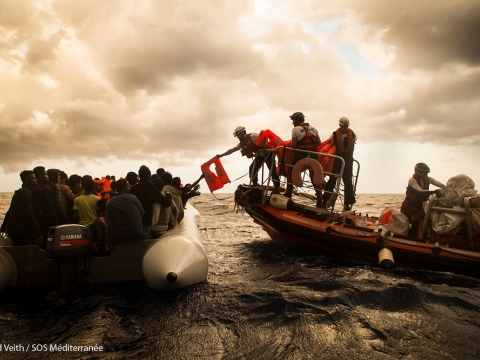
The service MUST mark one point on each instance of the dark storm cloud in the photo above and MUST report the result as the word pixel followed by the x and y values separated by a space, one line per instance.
pixel 425 34
pixel 146 79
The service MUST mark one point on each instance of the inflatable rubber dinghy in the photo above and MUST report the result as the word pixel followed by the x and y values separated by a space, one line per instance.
pixel 178 258
pixel 175 260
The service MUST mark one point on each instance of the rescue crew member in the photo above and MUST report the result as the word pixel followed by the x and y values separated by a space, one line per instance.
pixel 304 137
pixel 248 147
pixel 417 194
pixel 344 139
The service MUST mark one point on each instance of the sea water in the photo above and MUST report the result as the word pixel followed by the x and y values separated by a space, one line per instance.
pixel 263 299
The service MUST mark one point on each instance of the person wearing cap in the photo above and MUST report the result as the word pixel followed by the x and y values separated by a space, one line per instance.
pixel 417 194
pixel 344 140
pixel 249 148
pixel 304 137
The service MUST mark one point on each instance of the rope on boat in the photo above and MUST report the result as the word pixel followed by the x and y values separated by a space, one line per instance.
pixel 240 177
pixel 242 200
pixel 349 234
pixel 217 198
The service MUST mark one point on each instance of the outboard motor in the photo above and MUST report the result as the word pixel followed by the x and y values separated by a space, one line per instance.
pixel 67 241
pixel 71 246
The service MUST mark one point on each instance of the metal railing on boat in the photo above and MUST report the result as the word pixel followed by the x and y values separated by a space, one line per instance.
pixel 306 190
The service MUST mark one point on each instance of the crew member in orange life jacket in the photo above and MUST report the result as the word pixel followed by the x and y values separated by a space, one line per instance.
pixel 344 139
pixel 304 137
pixel 251 150
pixel 417 194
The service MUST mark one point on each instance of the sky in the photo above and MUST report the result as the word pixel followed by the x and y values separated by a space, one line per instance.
pixel 103 87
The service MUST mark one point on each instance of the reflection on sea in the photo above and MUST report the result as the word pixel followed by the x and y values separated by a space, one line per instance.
pixel 263 299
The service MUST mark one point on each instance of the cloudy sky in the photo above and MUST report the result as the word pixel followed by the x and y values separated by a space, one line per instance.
pixel 102 87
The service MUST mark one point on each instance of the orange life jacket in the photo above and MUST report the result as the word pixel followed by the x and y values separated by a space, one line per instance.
pixel 327 147
pixel 284 157
pixel 343 145
pixel 309 141
pixel 415 200
pixel 273 140
pixel 105 185
pixel 249 147
pixel 217 180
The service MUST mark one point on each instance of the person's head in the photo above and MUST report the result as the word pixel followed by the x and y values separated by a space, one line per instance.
pixel 160 171
pixel 158 182
pixel 422 170
pixel 85 178
pixel 144 173
pixel 240 133
pixel 107 177
pixel 74 181
pixel 297 118
pixel 101 206
pixel 113 178
pixel 54 175
pixel 176 182
pixel 40 174
pixel 113 185
pixel 28 178
pixel 131 178
pixel 344 123
pixel 89 186
pixel 167 178
pixel 63 177
pixel 122 186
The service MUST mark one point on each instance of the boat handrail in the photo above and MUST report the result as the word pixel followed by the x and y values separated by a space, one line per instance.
pixel 337 189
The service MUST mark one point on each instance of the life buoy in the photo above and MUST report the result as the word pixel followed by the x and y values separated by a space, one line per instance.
pixel 215 180
pixel 303 165
pixel 273 140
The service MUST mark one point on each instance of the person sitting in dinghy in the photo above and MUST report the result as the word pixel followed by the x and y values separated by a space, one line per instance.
pixel 417 194
pixel 22 219
pixel 124 216
pixel 249 148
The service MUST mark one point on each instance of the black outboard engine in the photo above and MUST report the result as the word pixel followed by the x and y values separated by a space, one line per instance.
pixel 67 241
pixel 71 246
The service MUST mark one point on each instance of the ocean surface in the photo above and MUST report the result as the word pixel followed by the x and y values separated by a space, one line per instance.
pixel 263 299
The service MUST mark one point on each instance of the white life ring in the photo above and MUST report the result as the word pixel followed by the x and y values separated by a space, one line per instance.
pixel 303 165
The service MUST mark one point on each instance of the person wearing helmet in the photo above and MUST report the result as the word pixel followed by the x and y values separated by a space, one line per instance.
pixel 304 137
pixel 417 194
pixel 344 140
pixel 249 148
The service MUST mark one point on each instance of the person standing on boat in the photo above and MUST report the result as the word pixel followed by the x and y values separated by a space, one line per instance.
pixel 21 221
pixel 248 147
pixel 344 139
pixel 417 194
pixel 304 137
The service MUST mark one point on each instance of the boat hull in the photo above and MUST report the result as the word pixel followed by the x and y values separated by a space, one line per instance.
pixel 363 243
pixel 29 266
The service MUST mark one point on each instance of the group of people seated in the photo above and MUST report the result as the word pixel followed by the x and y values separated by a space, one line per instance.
pixel 139 206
